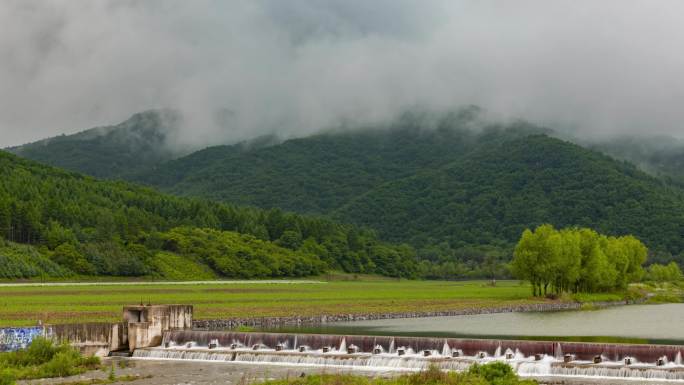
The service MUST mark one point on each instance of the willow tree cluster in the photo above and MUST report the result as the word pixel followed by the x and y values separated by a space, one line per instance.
pixel 577 260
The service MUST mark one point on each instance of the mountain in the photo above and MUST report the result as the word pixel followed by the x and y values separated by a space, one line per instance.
pixel 321 173
pixel 457 188
pixel 445 189
pixel 658 155
pixel 492 194
pixel 60 223
pixel 144 140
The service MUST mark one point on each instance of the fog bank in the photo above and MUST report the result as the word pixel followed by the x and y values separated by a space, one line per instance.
pixel 238 69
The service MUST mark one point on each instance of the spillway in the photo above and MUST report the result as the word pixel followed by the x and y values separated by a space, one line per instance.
pixel 527 358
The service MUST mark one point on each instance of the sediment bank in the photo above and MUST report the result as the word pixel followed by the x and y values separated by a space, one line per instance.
pixel 231 323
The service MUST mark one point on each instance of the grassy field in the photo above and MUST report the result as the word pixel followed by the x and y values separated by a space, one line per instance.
pixel 20 306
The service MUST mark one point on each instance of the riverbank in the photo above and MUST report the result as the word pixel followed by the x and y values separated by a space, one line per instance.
pixel 230 304
pixel 26 305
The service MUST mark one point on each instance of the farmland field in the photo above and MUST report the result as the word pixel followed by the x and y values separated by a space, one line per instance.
pixel 25 305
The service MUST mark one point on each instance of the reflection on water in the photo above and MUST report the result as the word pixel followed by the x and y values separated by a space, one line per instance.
pixel 633 324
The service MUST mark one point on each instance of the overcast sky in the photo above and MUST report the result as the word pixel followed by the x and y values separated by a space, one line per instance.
pixel 295 66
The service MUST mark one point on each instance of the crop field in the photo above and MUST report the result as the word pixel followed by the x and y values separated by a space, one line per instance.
pixel 25 305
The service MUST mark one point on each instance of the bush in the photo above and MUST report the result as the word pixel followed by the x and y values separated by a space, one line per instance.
pixel 664 273
pixel 44 359
pixel 63 364
pixel 6 377
pixel 494 373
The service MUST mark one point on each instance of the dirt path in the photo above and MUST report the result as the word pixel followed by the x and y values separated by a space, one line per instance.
pixel 214 373
pixel 151 283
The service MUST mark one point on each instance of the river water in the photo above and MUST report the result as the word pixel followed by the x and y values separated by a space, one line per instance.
pixel 632 324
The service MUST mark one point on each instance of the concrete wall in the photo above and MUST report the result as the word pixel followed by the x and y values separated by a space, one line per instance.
pixel 146 324
pixel 92 338
pixel 143 326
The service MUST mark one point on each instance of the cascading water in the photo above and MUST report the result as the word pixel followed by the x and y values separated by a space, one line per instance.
pixel 527 358
pixel 446 350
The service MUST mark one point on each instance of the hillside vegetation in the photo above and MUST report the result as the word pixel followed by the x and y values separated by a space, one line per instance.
pixel 494 193
pixel 144 140
pixel 458 190
pixel 57 223
pixel 461 196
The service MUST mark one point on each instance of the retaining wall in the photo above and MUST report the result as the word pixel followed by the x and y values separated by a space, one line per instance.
pixel 90 338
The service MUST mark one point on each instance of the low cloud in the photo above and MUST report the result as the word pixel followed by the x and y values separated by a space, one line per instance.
pixel 238 69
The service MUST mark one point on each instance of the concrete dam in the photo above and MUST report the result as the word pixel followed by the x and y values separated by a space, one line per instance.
pixel 164 332
pixel 528 358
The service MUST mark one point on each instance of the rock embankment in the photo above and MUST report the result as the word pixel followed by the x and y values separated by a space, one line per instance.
pixel 231 323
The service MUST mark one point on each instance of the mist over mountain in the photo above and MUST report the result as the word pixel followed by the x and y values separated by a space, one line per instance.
pixel 243 69
pixel 144 140
pixel 658 155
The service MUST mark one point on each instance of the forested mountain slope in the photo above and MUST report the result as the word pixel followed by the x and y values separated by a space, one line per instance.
pixel 76 224
pixel 446 189
pixel 457 189
pixel 142 141
pixel 321 173
pixel 658 155
pixel 491 195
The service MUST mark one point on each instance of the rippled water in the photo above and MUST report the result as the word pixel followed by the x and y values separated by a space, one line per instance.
pixel 636 323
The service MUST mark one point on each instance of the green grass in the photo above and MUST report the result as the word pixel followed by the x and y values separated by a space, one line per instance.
pixel 21 306
pixel 44 359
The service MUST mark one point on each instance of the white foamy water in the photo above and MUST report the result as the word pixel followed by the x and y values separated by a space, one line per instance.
pixel 547 366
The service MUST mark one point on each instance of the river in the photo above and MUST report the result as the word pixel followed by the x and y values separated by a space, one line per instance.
pixel 636 324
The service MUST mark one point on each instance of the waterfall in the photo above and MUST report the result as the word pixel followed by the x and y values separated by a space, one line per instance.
pixel 446 350
pixel 528 358
pixel 411 361
pixel 559 352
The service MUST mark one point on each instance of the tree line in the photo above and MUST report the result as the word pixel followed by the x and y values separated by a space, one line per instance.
pixel 98 227
pixel 577 260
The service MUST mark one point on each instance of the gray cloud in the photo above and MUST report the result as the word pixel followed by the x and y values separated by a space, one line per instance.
pixel 292 67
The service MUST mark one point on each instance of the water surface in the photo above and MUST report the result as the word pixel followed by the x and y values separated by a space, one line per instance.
pixel 635 324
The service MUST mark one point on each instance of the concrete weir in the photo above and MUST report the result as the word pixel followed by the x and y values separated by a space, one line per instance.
pixel 164 332
pixel 528 358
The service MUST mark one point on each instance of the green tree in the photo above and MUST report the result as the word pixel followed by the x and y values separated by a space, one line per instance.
pixel 68 256
pixel 577 260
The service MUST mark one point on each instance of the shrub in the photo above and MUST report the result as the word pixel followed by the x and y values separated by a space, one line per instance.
pixel 43 359
pixel 494 372
pixel 6 377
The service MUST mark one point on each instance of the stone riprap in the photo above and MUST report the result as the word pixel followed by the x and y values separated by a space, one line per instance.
pixel 231 323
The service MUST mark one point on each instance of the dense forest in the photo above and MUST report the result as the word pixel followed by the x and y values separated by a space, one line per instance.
pixel 492 194
pixel 659 155
pixel 457 189
pixel 461 197
pixel 57 223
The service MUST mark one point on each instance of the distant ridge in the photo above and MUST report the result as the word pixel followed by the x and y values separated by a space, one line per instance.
pixel 110 151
